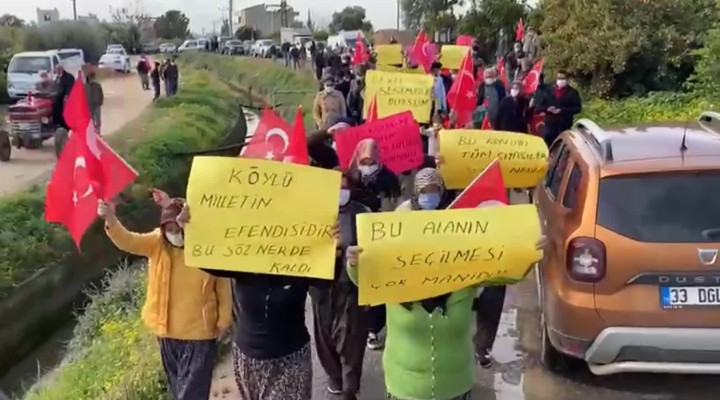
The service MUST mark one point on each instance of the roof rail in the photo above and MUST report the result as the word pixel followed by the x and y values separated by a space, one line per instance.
pixel 710 121
pixel 596 136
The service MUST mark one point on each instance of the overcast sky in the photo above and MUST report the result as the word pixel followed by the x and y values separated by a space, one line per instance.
pixel 202 13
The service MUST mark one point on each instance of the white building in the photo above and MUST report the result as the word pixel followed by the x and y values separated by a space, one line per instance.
pixel 45 17
pixel 266 19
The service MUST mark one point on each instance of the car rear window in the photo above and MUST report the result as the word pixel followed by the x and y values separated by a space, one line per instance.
pixel 68 54
pixel 662 208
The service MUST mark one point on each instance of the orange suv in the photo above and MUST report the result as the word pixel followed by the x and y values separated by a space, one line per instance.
pixel 631 279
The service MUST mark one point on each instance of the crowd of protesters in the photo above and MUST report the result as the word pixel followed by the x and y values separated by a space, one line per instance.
pixel 428 346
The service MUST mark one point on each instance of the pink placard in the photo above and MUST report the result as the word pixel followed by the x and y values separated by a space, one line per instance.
pixel 398 137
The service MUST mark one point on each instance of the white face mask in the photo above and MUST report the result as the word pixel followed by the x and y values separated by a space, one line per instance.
pixel 561 83
pixel 367 170
pixel 489 81
pixel 175 239
pixel 514 92
pixel 328 89
pixel 344 197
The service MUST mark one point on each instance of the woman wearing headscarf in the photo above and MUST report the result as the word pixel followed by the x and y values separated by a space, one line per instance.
pixel 428 352
pixel 379 190
pixel 340 324
pixel 186 308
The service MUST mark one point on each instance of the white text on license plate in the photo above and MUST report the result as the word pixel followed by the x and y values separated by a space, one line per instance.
pixel 688 296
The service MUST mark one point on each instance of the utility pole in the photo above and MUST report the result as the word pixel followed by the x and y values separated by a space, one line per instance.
pixel 74 9
pixel 398 15
pixel 230 18
pixel 284 23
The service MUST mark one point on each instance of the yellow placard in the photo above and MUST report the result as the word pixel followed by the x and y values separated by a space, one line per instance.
pixel 451 55
pixel 398 92
pixel 388 54
pixel 409 256
pixel 466 153
pixel 403 70
pixel 262 216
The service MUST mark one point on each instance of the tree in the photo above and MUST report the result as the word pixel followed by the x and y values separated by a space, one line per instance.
pixel 350 19
pixel 12 21
pixel 246 33
pixel 706 79
pixel 432 15
pixel 225 28
pixel 486 18
pixel 173 24
pixel 618 47
pixel 321 34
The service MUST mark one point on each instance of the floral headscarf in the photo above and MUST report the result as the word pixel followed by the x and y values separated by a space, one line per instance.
pixel 367 148
pixel 425 177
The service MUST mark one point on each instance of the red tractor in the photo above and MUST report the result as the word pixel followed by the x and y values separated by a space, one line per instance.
pixel 30 123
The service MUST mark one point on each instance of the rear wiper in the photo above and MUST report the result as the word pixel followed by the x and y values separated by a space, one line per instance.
pixel 712 233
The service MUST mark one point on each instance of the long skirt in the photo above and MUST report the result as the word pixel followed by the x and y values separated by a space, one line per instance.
pixel 284 378
pixel 188 366
pixel 465 396
pixel 341 329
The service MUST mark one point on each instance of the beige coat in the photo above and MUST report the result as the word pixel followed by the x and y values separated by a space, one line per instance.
pixel 327 107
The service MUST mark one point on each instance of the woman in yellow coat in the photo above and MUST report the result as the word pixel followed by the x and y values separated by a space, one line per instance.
pixel 186 308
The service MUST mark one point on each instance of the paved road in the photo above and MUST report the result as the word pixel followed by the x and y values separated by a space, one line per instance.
pixel 124 101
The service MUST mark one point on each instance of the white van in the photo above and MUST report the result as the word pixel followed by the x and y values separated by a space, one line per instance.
pixel 72 60
pixel 192 45
pixel 23 71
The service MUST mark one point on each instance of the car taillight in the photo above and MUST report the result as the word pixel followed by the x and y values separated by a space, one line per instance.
pixel 585 259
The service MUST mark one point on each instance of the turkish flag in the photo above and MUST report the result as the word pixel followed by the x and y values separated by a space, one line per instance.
pixel 372 110
pixel 486 126
pixel 423 52
pixel 298 140
pixel 87 170
pixel 532 80
pixel 462 96
pixel 272 140
pixel 536 123
pixel 519 30
pixel 501 71
pixel 464 40
pixel 360 54
pixel 487 189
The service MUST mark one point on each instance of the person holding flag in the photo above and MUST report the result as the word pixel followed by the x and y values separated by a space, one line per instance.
pixel 186 308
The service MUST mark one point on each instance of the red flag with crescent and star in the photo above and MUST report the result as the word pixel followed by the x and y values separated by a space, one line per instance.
pixel 360 53
pixel 532 80
pixel 272 140
pixel 87 170
pixel 464 40
pixel 487 189
pixel 462 96
pixel 520 30
pixel 422 52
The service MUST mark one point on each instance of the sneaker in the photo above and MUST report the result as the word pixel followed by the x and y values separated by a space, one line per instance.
pixel 484 359
pixel 373 342
pixel 334 390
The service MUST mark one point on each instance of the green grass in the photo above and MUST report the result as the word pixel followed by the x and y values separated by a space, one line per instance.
pixel 197 118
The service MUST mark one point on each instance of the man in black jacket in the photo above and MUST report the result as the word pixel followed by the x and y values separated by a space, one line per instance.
pixel 563 104
pixel 64 84
pixel 513 111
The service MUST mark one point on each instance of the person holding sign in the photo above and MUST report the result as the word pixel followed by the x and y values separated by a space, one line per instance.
pixel 340 324
pixel 186 308
pixel 271 351
pixel 379 190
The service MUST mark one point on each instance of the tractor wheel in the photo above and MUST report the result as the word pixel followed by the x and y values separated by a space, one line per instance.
pixel 61 136
pixel 5 146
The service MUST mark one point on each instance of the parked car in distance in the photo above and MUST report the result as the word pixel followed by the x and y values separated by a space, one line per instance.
pixel 631 279
pixel 260 47
pixel 150 48
pixel 247 46
pixel 116 59
pixel 24 69
pixel 233 47
pixel 192 45
pixel 168 48
pixel 112 47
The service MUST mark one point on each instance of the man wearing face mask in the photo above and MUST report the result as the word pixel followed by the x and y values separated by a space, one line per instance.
pixel 512 58
pixel 490 94
pixel 186 308
pixel 329 104
pixel 355 98
pixel 513 111
pixel 562 106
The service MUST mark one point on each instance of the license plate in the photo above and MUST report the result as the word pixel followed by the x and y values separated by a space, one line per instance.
pixel 689 296
pixel 24 126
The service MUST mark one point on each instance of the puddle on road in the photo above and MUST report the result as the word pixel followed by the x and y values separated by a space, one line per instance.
pixel 509 359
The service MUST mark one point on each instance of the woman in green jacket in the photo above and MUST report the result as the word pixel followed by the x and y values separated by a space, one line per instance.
pixel 429 348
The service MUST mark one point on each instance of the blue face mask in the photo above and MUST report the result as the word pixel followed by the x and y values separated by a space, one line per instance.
pixel 429 201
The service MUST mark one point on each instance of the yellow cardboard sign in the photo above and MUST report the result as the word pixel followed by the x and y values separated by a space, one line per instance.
pixel 466 153
pixel 398 92
pixel 451 55
pixel 262 216
pixel 403 70
pixel 410 256
pixel 388 54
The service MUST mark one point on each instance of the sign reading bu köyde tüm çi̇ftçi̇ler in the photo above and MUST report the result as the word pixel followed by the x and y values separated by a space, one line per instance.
pixel 410 256
pixel 262 216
